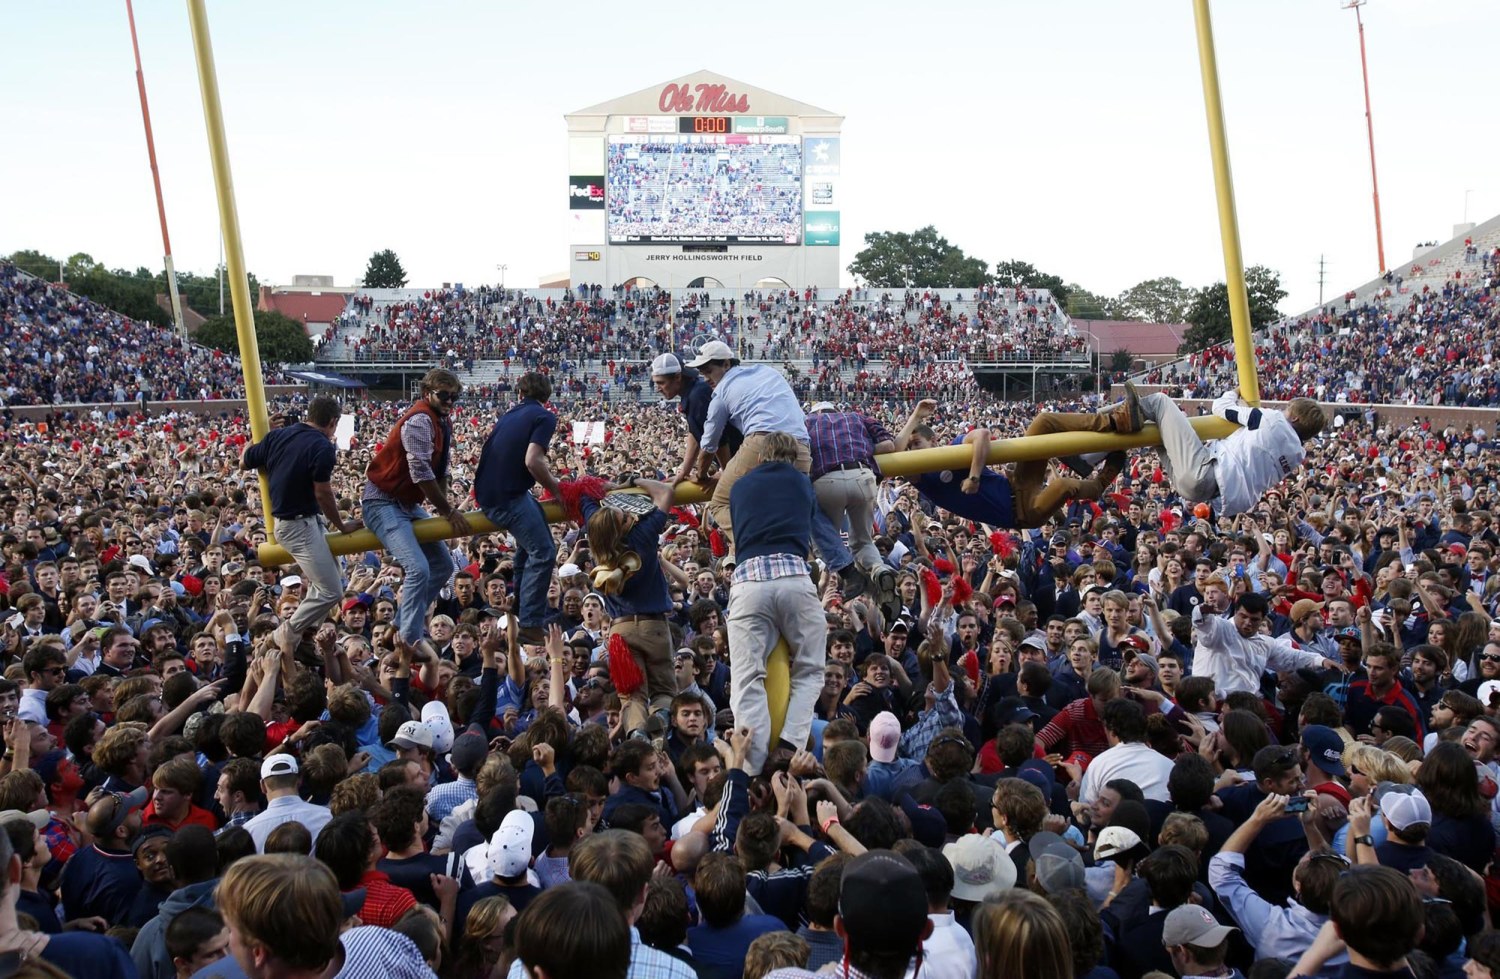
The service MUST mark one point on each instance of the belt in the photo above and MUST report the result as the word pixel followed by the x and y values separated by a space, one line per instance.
pixel 847 465
pixel 642 617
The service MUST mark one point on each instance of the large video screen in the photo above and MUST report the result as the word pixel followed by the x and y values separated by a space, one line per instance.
pixel 733 189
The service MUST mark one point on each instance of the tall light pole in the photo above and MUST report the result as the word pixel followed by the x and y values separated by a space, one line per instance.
pixel 1364 68
pixel 502 269
pixel 161 208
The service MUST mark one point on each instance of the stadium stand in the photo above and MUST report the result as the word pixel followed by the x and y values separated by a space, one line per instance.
pixel 60 348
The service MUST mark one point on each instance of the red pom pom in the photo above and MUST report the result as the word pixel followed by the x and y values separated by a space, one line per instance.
pixel 574 490
pixel 961 590
pixel 943 566
pixel 624 672
pixel 970 664
pixel 931 587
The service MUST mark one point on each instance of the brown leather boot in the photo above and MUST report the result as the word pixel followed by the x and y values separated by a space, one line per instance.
pixel 1126 415
pixel 1114 464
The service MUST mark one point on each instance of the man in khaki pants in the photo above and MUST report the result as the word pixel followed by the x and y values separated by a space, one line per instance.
pixel 759 402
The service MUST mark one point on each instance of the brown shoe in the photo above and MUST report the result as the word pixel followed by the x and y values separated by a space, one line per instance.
pixel 1126 415
pixel 1114 464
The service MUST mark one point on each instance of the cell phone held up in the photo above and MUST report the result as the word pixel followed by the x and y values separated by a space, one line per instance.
pixel 1297 803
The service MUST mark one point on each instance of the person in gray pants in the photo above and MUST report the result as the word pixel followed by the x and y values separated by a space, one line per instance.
pixel 1234 472
pixel 298 461
pixel 771 597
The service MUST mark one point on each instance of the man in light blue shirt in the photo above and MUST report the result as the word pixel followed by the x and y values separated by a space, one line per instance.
pixel 759 402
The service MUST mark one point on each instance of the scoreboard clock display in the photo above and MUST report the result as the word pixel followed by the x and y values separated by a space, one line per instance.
pixel 705 124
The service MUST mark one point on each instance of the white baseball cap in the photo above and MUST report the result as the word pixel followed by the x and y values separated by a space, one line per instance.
pixel 666 364
pixel 412 734
pixel 509 852
pixel 822 406
pixel 712 350
pixel 282 764
pixel 435 718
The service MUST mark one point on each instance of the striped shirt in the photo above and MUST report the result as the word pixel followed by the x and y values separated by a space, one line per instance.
pixel 847 436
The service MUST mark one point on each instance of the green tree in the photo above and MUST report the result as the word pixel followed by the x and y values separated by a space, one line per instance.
pixel 1209 312
pixel 131 297
pixel 201 292
pixel 898 260
pixel 1083 304
pixel 1015 273
pixel 42 266
pixel 1163 300
pixel 1120 361
pixel 281 339
pixel 80 264
pixel 384 271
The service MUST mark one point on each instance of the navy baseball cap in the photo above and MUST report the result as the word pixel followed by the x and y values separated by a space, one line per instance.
pixel 1324 748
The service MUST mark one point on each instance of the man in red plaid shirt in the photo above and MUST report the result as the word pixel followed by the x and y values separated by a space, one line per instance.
pixel 844 445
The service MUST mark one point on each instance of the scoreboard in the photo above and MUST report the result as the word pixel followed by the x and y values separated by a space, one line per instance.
pixel 709 125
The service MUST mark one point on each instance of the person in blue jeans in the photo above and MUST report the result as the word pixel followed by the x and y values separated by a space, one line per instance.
pixel 514 459
pixel 411 468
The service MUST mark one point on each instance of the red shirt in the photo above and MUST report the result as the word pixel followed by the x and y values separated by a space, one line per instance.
pixel 385 903
pixel 277 733
pixel 196 816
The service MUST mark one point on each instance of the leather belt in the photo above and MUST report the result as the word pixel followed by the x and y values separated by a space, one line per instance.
pixel 848 465
pixel 642 617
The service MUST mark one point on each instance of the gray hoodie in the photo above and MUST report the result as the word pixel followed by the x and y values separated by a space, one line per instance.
pixel 149 952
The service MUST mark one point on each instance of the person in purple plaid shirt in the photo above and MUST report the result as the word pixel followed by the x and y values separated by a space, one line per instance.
pixel 844 445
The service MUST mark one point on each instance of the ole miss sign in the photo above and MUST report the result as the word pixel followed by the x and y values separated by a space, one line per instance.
pixel 701 98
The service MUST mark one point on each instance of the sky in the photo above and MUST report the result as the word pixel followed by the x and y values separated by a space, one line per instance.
pixel 1070 135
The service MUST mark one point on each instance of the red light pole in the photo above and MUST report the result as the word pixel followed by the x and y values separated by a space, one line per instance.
pixel 161 207
pixel 1364 68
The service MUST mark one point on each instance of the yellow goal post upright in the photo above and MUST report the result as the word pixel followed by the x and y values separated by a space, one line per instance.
pixel 234 253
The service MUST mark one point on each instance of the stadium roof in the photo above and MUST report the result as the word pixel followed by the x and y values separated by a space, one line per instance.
pixel 648 101
pixel 326 378
pixel 1141 339
pixel 304 307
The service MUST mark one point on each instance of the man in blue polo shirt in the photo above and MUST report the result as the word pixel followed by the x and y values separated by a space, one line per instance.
pixel 298 461
pixel 1026 499
pixel 514 460
pixel 673 380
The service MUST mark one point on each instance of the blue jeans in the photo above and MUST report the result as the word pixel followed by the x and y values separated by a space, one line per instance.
pixel 425 568
pixel 535 554
pixel 827 542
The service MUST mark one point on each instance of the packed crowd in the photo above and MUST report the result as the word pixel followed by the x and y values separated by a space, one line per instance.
pixel 59 348
pixel 1429 346
pixel 1033 752
pixel 671 188
pixel 459 327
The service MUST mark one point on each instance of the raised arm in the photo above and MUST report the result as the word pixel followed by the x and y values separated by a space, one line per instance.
pixel 919 415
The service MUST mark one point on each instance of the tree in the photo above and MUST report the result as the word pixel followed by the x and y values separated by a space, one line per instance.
pixel 1209 312
pixel 281 339
pixel 44 267
pixel 1120 361
pixel 131 297
pixel 1163 300
pixel 923 258
pixel 1015 274
pixel 1083 304
pixel 385 271
pixel 80 264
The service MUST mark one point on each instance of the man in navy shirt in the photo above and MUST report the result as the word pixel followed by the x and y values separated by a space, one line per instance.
pixel 673 380
pixel 298 463
pixel 772 597
pixel 514 460
pixel 1026 499
pixel 638 604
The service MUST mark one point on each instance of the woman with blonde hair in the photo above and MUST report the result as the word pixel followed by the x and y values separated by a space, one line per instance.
pixel 1368 766
pixel 483 943
pixel 1017 933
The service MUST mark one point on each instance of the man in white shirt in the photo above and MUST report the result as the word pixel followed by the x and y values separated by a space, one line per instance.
pixel 279 775
pixel 1127 757
pixel 1235 652
pixel 1234 472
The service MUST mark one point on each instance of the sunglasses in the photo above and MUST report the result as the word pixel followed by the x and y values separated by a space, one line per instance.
pixel 1489 658
pixel 447 397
